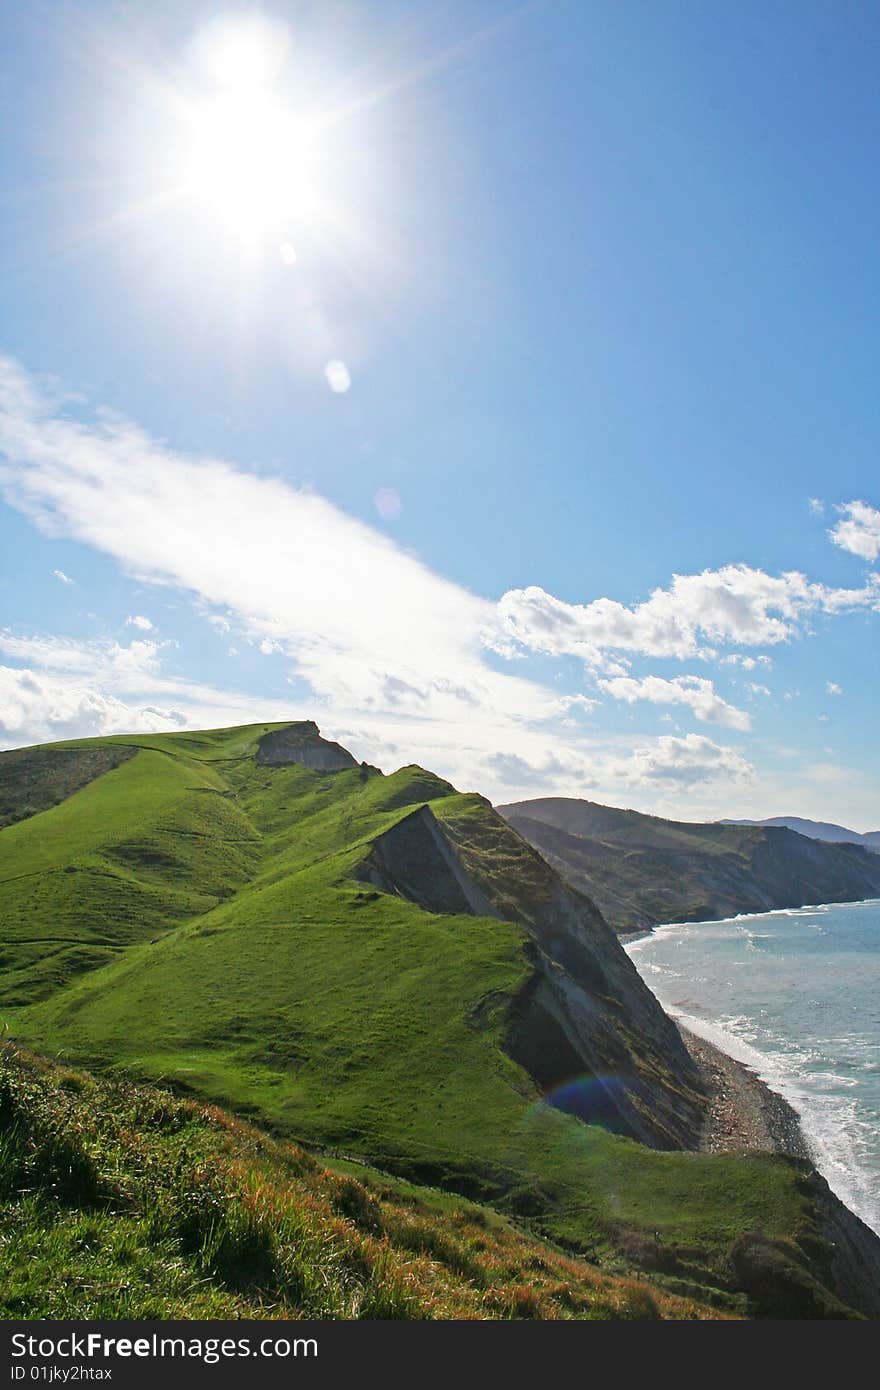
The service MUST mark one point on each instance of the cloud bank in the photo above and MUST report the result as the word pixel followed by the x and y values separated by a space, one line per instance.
pixel 734 605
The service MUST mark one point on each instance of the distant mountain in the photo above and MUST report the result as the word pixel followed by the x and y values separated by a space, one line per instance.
pixel 818 830
pixel 642 870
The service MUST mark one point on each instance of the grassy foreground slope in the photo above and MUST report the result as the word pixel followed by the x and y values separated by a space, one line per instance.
pixel 122 1201
pixel 379 967
pixel 641 870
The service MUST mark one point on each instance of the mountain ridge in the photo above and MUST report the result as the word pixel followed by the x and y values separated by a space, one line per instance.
pixel 643 870
pixel 817 830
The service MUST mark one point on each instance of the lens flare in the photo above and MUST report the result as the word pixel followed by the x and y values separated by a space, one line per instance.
pixel 593 1099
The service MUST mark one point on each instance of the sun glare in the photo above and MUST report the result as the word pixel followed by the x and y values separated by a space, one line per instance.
pixel 251 162
pixel 246 155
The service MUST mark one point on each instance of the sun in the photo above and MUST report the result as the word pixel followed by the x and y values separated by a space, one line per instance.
pixel 246 156
pixel 251 162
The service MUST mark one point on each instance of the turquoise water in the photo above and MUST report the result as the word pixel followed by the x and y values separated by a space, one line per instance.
pixel 795 995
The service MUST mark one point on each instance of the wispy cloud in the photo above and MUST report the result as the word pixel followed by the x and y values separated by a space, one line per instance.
pixel 389 649
pixel 65 578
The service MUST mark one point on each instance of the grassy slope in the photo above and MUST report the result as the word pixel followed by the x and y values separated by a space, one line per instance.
pixel 34 779
pixel 121 1201
pixel 345 1018
pixel 147 845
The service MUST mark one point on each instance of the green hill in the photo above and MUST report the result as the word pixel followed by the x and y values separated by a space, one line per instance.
pixel 381 967
pixel 642 870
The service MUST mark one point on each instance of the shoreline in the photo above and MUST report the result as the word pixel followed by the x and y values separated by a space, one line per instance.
pixel 743 1112
pixel 626 938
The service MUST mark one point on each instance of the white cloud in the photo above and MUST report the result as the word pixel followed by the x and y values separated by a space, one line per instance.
pixel 38 707
pixel 816 506
pixel 693 758
pixel 748 663
pixel 833 688
pixel 859 531
pixel 736 604
pixel 670 760
pixel 69 689
pixel 101 660
pixel 141 623
pixel 696 692
pixel 65 578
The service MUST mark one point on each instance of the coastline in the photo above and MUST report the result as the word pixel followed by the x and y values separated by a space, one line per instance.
pixel 743 1112
pixel 626 938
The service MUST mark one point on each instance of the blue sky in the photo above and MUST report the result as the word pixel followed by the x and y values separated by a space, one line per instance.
pixel 401 402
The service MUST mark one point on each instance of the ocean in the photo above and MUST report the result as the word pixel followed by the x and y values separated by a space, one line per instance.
pixel 794 994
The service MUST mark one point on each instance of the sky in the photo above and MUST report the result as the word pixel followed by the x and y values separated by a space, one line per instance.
pixel 493 383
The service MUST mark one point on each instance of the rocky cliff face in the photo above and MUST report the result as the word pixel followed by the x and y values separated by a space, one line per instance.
pixel 641 870
pixel 585 1027
pixel 302 743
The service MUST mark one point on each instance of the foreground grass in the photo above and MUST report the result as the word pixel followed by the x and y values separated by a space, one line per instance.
pixel 123 1201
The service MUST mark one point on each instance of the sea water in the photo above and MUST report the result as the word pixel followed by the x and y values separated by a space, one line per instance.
pixel 795 995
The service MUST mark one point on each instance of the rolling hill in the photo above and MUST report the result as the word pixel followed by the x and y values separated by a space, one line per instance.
pixel 642 870
pixel 381 969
